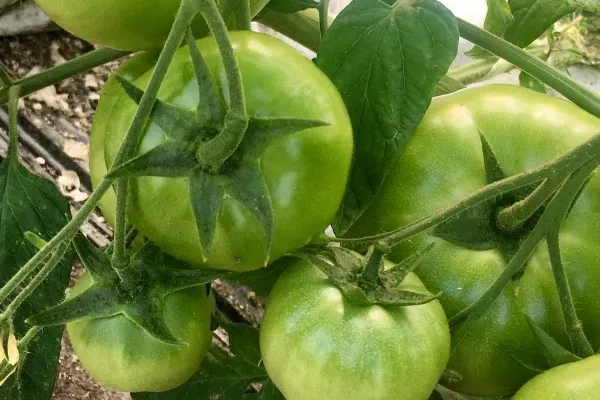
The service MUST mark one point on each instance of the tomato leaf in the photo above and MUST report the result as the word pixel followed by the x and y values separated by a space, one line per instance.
pixel 553 352
pixel 224 375
pixel 448 85
pixel 533 17
pixel 291 6
pixel 29 203
pixel 532 83
pixel 386 60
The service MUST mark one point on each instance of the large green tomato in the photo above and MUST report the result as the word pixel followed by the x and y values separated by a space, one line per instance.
pixel 305 173
pixel 575 381
pixel 442 164
pixel 123 24
pixel 316 344
pixel 123 356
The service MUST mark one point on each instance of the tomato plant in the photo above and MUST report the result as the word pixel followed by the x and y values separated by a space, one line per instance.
pixel 574 381
pixel 122 355
pixel 132 25
pixel 292 167
pixel 317 343
pixel 466 226
pixel 443 162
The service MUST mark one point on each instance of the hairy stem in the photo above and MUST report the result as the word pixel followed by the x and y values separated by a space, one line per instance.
pixel 572 323
pixel 214 153
pixel 13 111
pixel 559 167
pixel 551 76
pixel 243 16
pixel 511 218
pixel 556 211
pixel 323 16
pixel 72 67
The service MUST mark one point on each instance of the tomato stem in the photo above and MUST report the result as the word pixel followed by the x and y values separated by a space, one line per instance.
pixel 323 16
pixel 573 325
pixel 243 16
pixel 512 218
pixel 13 110
pixel 555 169
pixel 185 15
pixel 559 81
pixel 72 67
pixel 212 154
pixel 555 213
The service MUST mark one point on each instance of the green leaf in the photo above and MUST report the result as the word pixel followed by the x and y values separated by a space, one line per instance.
pixel 497 18
pixel 29 203
pixel 448 85
pixel 226 376
pixel 386 61
pixel 532 83
pixel 292 6
pixel 554 353
pixel 533 17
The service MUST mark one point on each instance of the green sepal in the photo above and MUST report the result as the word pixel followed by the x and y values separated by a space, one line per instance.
pixel 475 228
pixel 392 277
pixel 553 352
pixel 141 302
pixel 96 302
pixel 94 260
pixel 493 171
pixel 148 313
pixel 173 158
pixel 242 179
pixel 345 268
pixel 177 123
pixel 211 99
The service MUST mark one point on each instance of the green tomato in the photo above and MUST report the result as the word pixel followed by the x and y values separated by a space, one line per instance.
pixel 305 173
pixel 123 356
pixel 442 164
pixel 316 344
pixel 575 381
pixel 123 24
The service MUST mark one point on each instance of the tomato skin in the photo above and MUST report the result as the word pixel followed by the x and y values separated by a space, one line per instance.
pixel 123 356
pixel 126 25
pixel 278 83
pixel 574 381
pixel 442 164
pixel 316 344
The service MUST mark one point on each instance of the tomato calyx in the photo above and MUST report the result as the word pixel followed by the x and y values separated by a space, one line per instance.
pixel 141 301
pixel 217 164
pixel 368 279
pixel 477 228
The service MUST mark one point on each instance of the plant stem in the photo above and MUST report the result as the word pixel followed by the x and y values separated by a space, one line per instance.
pixel 131 235
pixel 184 17
pixel 511 218
pixel 556 211
pixel 573 325
pixel 243 16
pixel 54 75
pixel 31 333
pixel 323 16
pixel 13 111
pixel 556 169
pixel 214 153
pixel 34 283
pixel 562 83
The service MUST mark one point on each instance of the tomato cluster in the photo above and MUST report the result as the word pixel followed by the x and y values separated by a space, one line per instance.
pixel 316 340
